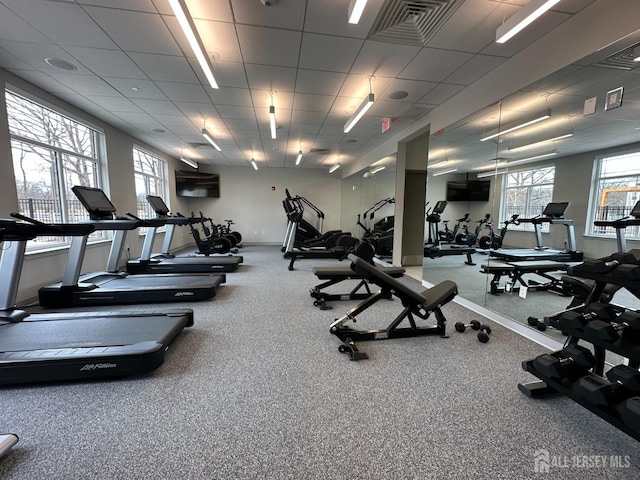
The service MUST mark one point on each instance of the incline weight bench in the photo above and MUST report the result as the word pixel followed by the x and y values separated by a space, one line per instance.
pixel 516 271
pixel 421 304
pixel 338 274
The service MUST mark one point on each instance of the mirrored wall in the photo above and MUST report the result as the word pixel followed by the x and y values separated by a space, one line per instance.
pixel 577 127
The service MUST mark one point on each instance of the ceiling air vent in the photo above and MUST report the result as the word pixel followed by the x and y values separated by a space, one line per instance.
pixel 320 151
pixel 622 60
pixel 412 22
pixel 199 145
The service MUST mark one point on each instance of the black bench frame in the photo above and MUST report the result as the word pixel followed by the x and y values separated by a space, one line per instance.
pixel 420 304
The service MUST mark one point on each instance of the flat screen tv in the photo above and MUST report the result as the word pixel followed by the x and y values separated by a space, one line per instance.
pixel 197 184
pixel 468 190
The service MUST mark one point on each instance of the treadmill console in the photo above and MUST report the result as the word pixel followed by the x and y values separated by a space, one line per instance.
pixel 439 207
pixel 95 201
pixel 158 205
pixel 555 210
pixel 635 213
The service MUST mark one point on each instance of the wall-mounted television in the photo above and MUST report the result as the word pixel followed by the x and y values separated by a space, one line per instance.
pixel 197 184
pixel 468 190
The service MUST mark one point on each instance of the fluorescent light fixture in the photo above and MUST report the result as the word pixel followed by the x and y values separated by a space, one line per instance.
pixel 334 168
pixel 522 18
pixel 207 135
pixel 444 172
pixel 360 111
pixel 299 157
pixel 540 141
pixel 189 28
pixel 188 161
pixel 254 164
pixel 356 7
pixel 538 156
pixel 491 173
pixel 272 121
pixel 517 125
pixel 378 169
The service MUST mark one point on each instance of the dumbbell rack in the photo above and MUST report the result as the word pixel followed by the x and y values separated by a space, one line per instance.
pixel 622 347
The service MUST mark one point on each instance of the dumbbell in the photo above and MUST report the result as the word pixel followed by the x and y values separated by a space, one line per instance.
pixel 473 324
pixel 574 320
pixel 571 362
pixel 627 323
pixel 483 334
pixel 629 412
pixel 622 382
pixel 536 322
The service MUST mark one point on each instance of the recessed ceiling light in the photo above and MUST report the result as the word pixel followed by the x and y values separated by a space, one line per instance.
pixel 399 95
pixel 135 89
pixel 351 140
pixel 61 64
pixel 158 130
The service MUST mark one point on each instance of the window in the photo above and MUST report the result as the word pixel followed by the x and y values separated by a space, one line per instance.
pixel 616 189
pixel 150 173
pixel 51 153
pixel 526 193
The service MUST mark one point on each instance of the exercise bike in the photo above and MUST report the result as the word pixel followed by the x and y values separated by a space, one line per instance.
pixel 447 235
pixel 470 238
pixel 494 241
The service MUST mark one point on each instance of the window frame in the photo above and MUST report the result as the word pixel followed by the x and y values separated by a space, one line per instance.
pixel 60 154
pixel 594 206
pixel 164 180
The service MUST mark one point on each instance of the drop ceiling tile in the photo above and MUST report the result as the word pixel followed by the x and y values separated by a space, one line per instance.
pixel 12 27
pixel 138 5
pixel 115 104
pixel 474 69
pixel 145 88
pixel 307 117
pixel 270 78
pixel 165 68
pixel 358 87
pixel 269 46
pixel 330 17
pixel 85 84
pixel 321 83
pixel 44 81
pixel 218 38
pixel 254 13
pixel 174 121
pixel 441 93
pixel 111 63
pixel 324 52
pixel 388 108
pixel 199 110
pixel 227 74
pixel 383 59
pixel 230 111
pixel 280 100
pixel 415 89
pixel 434 65
pixel 9 62
pixel 124 27
pixel 34 55
pixel 152 107
pixel 309 102
pixel 201 9
pixel 230 96
pixel 184 92
pixel 52 19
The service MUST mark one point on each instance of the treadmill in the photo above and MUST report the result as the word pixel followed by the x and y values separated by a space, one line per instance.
pixel 553 214
pixel 48 347
pixel 166 262
pixel 112 287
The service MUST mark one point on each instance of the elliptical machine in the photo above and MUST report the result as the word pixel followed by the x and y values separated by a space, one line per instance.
pixel 470 238
pixel 494 241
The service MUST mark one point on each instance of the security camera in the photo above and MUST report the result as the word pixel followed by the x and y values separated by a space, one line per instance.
pixel 268 3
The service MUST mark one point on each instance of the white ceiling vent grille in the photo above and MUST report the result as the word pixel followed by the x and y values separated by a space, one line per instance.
pixel 412 22
pixel 622 60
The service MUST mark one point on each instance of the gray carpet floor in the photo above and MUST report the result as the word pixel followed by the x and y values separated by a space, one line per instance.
pixel 257 389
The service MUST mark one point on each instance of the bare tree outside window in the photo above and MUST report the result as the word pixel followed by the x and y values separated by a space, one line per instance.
pixel 526 193
pixel 51 153
pixel 150 179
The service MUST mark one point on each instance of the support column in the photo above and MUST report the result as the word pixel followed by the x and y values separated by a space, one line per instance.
pixel 411 187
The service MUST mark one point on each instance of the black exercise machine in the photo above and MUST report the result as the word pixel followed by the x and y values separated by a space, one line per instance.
pixel 344 244
pixel 337 274
pixel 49 347
pixel 494 241
pixel 433 248
pixel 112 286
pixel 515 271
pixel 165 261
pixel 553 214
pixel 421 304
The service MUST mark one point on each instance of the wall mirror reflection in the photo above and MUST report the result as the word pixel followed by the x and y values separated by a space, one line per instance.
pixel 557 157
